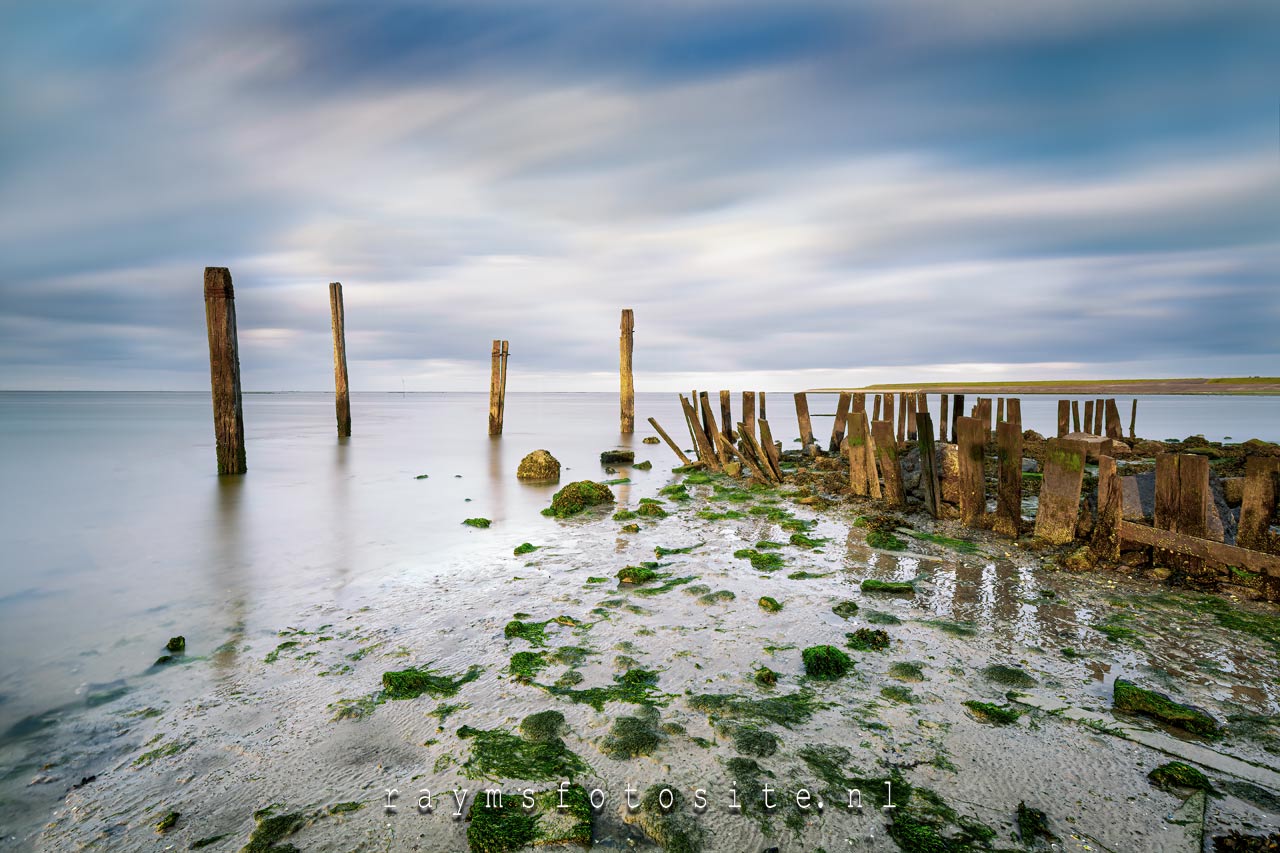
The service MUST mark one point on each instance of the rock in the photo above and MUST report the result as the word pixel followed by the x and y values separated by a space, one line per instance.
pixel 1131 500
pixel 617 457
pixel 539 466
pixel 1233 490
pixel 650 439
pixel 948 461
pixel 733 469
pixel 1030 466
pixel 1079 560
pixel 1119 448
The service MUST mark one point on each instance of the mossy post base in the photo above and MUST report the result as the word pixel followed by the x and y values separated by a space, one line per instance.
pixel 971 439
pixel 1258 504
pixel 627 391
pixel 342 398
pixel 841 419
pixel 1009 500
pixel 890 465
pixel 1106 530
pixel 497 386
pixel 1059 509
pixel 928 463
pixel 224 369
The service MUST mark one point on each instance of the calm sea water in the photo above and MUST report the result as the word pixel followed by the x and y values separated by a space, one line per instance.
pixel 117 534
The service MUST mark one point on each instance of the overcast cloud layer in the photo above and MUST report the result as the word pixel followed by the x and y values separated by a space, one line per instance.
pixel 788 194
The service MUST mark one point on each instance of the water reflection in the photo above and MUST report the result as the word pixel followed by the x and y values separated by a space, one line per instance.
pixel 227 569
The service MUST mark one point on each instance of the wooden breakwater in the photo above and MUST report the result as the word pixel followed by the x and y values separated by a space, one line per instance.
pixel 977 477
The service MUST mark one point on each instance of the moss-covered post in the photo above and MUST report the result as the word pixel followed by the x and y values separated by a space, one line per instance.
pixel 1133 419
pixel 1059 509
pixel 803 420
pixel 1064 417
pixel 342 399
pixel 957 412
pixel 890 464
pixel 1075 416
pixel 627 394
pixel 859 477
pixel 224 369
pixel 1258 505
pixel 1009 498
pixel 928 463
pixel 971 436
pixel 842 417
pixel 749 411
pixel 1105 541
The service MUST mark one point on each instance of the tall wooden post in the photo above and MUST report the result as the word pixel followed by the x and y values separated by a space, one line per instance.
pixel 842 416
pixel 497 386
pixel 862 466
pixel 971 438
pixel 1258 507
pixel 1097 418
pixel 1009 498
pixel 1088 416
pixel 1064 417
pixel 999 411
pixel 749 411
pixel 912 400
pixel 802 418
pixel 1013 411
pixel 902 416
pixel 957 412
pixel 875 408
pixel 224 369
pixel 942 420
pixel 1114 430
pixel 764 414
pixel 627 401
pixel 1105 541
pixel 1075 416
pixel 726 417
pixel 890 464
pixel 928 463
pixel 341 397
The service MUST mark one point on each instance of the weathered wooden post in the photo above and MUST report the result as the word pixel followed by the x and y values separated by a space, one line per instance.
pixel 764 415
pixel 859 476
pixel 842 416
pixel 1059 510
pixel 902 416
pixel 1088 416
pixel 770 449
pixel 912 400
pixel 957 412
pixel 1105 541
pixel 1075 416
pixel 1097 417
pixel 726 416
pixel 1182 502
pixel 928 463
pixel 802 418
pixel 684 460
pixel 749 411
pixel 985 414
pixel 1115 430
pixel 706 448
pixel 971 436
pixel 627 398
pixel 1064 417
pixel 942 420
pixel 1133 419
pixel 886 412
pixel 1009 498
pixel 341 396
pixel 875 408
pixel 224 369
pixel 890 465
pixel 1013 411
pixel 709 425
pixel 497 385
pixel 1258 504
pixel 999 411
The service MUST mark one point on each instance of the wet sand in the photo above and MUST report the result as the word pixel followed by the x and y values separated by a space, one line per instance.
pixel 293 717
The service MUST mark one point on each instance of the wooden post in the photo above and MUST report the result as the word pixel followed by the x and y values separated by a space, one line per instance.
pixel 770 449
pixel 1097 418
pixel 342 398
pixel 749 410
pixel 709 425
pixel 1115 430
pixel 1133 419
pixel 224 369
pixel 1008 519
pixel 1059 510
pixel 957 412
pixel 999 412
pixel 971 436
pixel 753 454
pixel 802 417
pixel 706 450
pixel 902 417
pixel 985 413
pixel 627 399
pixel 1075 416
pixel 842 417
pixel 911 417
pixel 928 463
pixel 497 386
pixel 684 460
pixel 1064 417
pixel 1013 411
pixel 942 420
pixel 1088 416
pixel 859 476
pixel 726 416
pixel 1258 504
pixel 875 408
pixel 763 414
pixel 1182 503
pixel 1106 530
pixel 890 465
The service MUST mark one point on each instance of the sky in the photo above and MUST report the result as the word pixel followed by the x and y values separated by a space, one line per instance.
pixel 788 194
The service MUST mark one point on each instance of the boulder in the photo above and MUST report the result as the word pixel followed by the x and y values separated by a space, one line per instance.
pixel 1233 490
pixel 617 457
pixel 1030 466
pixel 539 466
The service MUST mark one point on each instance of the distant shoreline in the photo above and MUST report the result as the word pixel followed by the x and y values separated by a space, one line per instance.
pixel 1249 385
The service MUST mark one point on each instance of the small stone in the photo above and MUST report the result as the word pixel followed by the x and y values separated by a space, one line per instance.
pixel 650 439
pixel 539 466
pixel 617 457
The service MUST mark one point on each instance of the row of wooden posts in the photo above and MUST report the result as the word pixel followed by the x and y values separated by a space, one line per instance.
pixel 224 371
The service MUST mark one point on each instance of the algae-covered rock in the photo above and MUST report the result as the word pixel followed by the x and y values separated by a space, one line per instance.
pixel 617 457
pixel 891 587
pixel 766 677
pixel 1176 774
pixel 1127 696
pixel 868 640
pixel 629 528
pixel 168 822
pixel 994 714
pixel 664 818
pixel 524 548
pixel 845 609
pixel 1008 676
pixel 576 497
pixel 769 603
pixel 643 466
pixel 505 825
pixel 270 829
pixel 650 439
pixel 177 645
pixel 543 727
pixel 630 737
pixel 650 509
pixel 539 466
pixel 825 663
pixel 636 575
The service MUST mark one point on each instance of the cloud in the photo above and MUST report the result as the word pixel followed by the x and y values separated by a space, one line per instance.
pixel 776 189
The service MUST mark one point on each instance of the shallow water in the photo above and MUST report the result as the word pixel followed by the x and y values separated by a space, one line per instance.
pixel 121 537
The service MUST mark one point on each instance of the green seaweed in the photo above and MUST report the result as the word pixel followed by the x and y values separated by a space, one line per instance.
pixel 825 663
pixel 499 754
pixel 167 750
pixel 955 629
pixel 789 710
pixel 760 562
pixel 525 666
pixel 629 528
pixel 167 822
pixel 535 633
pixel 964 546
pixel 765 677
pixel 344 808
pixel 177 645
pixel 624 515
pixel 413 682
pixel 697 478
pixel 482 523
pixel 543 727
pixel 898 693
pixel 642 466
pixel 636 687
pixel 274 654
pixel 1175 775
pixel 867 640
pixel 495 828
pixel 524 548
pixel 666 586
pixel 890 587
pixel 676 491
pixel 717 597
pixel 878 617
pixel 991 713
pixel 630 737
pixel 712 515
pixel 660 551
pixel 768 545
pixel 885 541
pixel 906 671
pixel 845 609
pixel 1033 824
pixel 749 739
pixel 650 510
pixel 1127 696
pixel 1008 676
pixel 270 829
pixel 800 540
pixel 577 497
pixel 671 828
pixel 769 604
pixel 804 575
pixel 637 575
